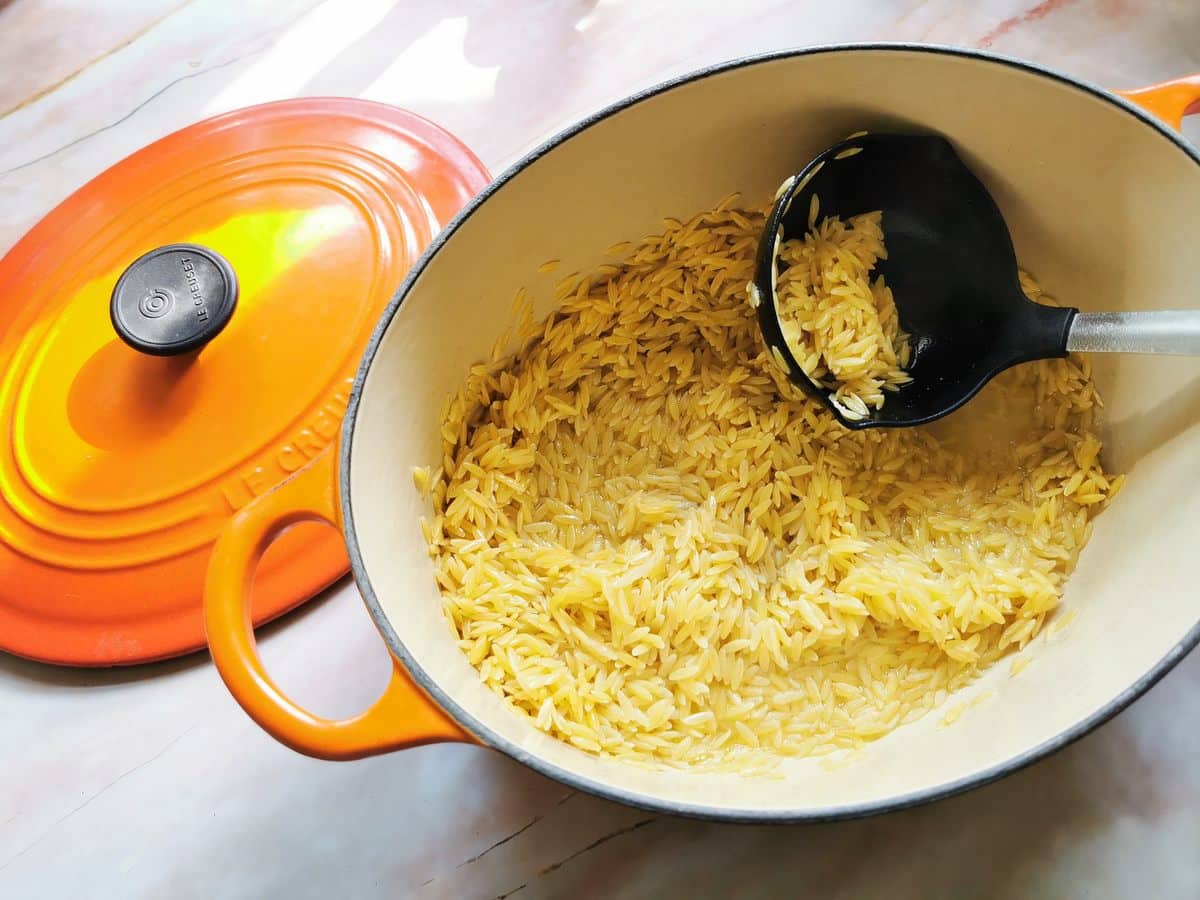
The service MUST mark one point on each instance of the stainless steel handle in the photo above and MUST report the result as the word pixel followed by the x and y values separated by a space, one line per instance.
pixel 1174 331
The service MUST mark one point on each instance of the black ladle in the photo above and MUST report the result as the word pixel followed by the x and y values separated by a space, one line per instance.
pixel 953 274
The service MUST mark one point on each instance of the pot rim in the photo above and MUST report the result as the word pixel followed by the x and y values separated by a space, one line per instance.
pixel 632 798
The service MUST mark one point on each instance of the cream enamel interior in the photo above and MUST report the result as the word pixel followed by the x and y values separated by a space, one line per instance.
pixel 1103 209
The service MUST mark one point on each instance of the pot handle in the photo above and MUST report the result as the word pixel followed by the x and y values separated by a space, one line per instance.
pixel 1170 100
pixel 402 717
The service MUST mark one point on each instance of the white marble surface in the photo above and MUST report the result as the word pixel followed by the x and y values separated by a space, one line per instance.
pixel 152 783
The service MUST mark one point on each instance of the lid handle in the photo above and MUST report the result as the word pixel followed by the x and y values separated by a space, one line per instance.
pixel 174 300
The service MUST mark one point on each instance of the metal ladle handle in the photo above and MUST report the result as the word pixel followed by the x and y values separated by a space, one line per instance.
pixel 1172 331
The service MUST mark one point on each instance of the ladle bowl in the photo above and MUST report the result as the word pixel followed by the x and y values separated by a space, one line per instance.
pixel 953 274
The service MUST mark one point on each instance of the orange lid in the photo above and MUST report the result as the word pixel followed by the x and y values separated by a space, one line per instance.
pixel 128 448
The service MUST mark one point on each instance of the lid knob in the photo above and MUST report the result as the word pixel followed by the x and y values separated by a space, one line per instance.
pixel 174 299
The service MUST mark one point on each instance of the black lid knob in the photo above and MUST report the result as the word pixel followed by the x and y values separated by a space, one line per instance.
pixel 173 300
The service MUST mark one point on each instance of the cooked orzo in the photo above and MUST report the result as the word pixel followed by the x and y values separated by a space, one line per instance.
pixel 656 548
pixel 840 324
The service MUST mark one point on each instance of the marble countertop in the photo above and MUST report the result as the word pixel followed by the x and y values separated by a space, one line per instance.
pixel 151 782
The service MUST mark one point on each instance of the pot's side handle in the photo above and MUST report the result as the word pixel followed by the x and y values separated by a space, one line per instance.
pixel 402 717
pixel 1169 101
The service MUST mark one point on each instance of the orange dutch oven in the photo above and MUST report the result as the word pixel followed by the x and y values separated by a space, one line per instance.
pixel 1102 195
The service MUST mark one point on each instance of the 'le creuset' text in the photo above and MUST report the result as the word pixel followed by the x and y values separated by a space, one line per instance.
pixel 303 445
pixel 193 283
